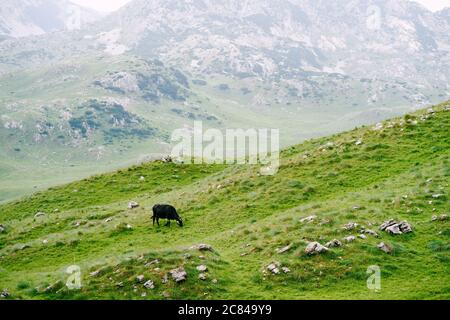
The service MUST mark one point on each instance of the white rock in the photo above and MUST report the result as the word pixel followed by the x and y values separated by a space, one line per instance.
pixel 350 238
pixel 140 278
pixel 384 247
pixel 286 269
pixel 149 284
pixel 284 249
pixel 371 232
pixel 133 205
pixel 394 229
pixel 387 224
pixel 202 247
pixel 308 219
pixel 314 248
pixel 202 268
pixel 350 226
pixel 4 293
pixel 39 214
pixel 273 267
pixel 333 243
pixel 405 227
pixel 178 274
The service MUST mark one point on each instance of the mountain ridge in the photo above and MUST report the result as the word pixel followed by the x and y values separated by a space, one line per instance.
pixel 24 18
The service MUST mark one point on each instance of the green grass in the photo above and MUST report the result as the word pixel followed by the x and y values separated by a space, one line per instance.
pixel 246 218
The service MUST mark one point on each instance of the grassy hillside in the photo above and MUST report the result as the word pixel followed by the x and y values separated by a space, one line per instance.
pixel 399 170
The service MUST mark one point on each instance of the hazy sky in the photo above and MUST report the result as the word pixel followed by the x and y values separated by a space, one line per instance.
pixel 435 5
pixel 111 5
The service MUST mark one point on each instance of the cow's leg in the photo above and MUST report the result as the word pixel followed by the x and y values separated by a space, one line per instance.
pixel 168 223
pixel 153 218
pixel 157 221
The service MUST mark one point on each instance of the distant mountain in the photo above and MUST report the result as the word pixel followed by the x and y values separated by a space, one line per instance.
pixel 284 39
pixel 21 18
pixel 445 14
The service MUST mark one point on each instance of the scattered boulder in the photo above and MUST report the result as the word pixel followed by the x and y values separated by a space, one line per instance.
pixel 308 219
pixel 371 232
pixel 45 241
pixel 2 229
pixel 333 244
pixel 314 248
pixel 24 246
pixel 202 247
pixel 405 227
pixel 350 226
pixel 387 224
pixel 140 278
pixel 358 142
pixel 4 294
pixel 133 205
pixel 273 267
pixel 442 217
pixel 202 268
pixel 109 220
pixel 395 228
pixel 40 214
pixel 284 249
pixel 149 284
pixel 178 274
pixel 285 269
pixel 142 178
pixel 350 239
pixel 164 280
pixel 362 236
pixel 202 276
pixel 384 247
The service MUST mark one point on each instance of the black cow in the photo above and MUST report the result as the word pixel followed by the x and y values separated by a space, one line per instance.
pixel 165 211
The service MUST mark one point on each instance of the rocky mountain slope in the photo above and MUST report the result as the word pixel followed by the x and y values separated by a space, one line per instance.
pixel 309 232
pixel 22 18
